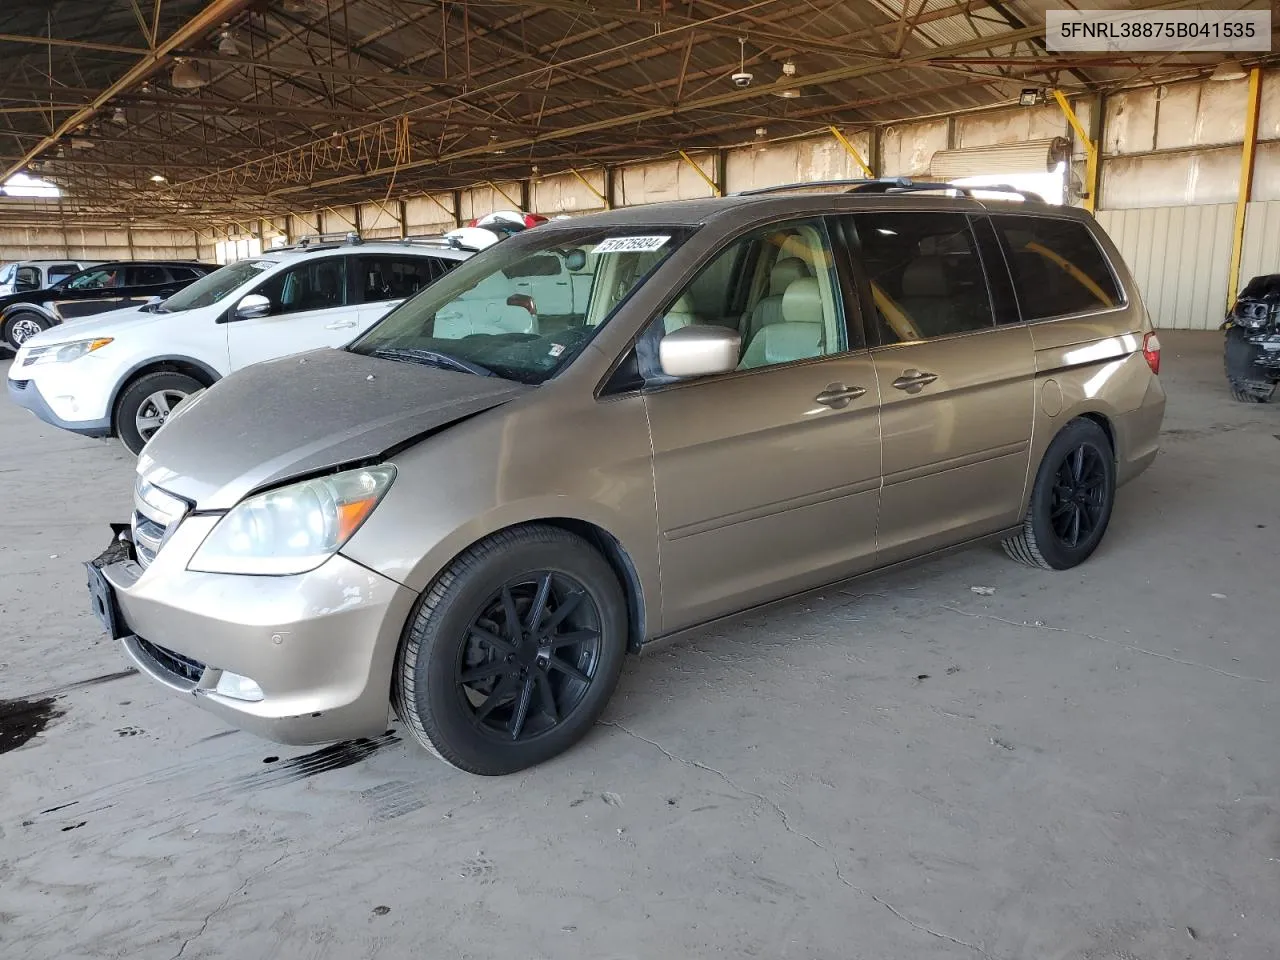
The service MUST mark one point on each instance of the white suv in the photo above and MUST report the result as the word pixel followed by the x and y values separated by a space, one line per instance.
pixel 121 373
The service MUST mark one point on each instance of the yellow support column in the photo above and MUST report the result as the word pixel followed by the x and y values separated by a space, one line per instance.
pixel 587 183
pixel 1090 152
pixel 715 187
pixel 1247 154
pixel 852 151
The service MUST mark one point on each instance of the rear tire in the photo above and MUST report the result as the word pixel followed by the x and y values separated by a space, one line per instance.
pixel 145 404
pixel 1071 501
pixel 513 652
pixel 21 325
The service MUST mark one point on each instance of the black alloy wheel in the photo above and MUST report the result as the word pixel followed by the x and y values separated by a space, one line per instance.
pixel 1079 495
pixel 513 651
pixel 1071 499
pixel 531 655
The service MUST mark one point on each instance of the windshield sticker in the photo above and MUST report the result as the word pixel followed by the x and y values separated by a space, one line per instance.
pixel 556 349
pixel 630 244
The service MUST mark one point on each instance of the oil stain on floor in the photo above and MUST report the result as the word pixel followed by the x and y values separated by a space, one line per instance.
pixel 22 720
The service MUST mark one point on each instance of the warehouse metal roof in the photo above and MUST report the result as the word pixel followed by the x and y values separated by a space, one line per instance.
pixel 294 104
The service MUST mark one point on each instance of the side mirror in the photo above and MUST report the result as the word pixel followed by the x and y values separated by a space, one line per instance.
pixel 251 306
pixel 699 351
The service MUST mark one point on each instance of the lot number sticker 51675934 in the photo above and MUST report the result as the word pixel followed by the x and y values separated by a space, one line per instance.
pixel 630 244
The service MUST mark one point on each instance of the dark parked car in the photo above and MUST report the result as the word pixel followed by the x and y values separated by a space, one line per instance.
pixel 107 286
pixel 1252 351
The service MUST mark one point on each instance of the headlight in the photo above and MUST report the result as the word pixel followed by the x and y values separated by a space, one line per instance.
pixel 63 352
pixel 295 528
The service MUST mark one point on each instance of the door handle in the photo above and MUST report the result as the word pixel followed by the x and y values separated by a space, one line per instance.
pixel 837 396
pixel 913 381
pixel 339 324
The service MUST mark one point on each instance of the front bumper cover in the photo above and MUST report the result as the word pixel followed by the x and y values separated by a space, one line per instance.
pixel 26 393
pixel 321 645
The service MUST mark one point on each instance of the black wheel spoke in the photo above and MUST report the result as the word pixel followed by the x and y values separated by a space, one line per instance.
pixel 522 708
pixel 573 638
pixel 1075 524
pixel 483 672
pixel 503 692
pixel 1077 465
pixel 1060 510
pixel 555 663
pixel 538 608
pixel 547 696
pixel 530 655
pixel 512 617
pixel 566 607
pixel 492 639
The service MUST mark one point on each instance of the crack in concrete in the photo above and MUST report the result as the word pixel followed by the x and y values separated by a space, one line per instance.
pixel 1115 643
pixel 226 902
pixel 790 828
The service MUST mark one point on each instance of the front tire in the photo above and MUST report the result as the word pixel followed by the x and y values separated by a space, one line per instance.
pixel 146 403
pixel 21 326
pixel 513 652
pixel 1071 501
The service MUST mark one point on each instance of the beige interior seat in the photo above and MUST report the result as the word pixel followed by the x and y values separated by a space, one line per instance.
pixel 680 314
pixel 769 309
pixel 799 335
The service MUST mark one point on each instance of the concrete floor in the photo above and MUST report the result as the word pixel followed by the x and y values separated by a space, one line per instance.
pixel 1082 765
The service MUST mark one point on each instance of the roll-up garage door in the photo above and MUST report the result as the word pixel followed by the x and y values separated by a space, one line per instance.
pixel 1032 156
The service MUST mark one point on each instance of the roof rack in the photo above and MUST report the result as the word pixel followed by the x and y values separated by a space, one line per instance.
pixel 887 185
pixel 786 187
pixel 908 185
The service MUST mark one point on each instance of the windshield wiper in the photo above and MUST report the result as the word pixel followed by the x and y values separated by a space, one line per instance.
pixel 432 358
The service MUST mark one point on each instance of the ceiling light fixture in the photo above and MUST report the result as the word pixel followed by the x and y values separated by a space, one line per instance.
pixel 789 68
pixel 1228 70
pixel 226 42
pixel 117 116
pixel 1030 96
pixel 186 76
pixel 158 178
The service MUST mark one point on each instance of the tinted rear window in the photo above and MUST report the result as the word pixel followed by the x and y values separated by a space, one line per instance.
pixel 1058 267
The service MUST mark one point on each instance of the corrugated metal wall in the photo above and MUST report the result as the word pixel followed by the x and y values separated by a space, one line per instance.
pixel 1179 256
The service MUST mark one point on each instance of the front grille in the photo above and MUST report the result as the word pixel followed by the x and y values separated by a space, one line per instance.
pixel 19 384
pixel 175 664
pixel 155 516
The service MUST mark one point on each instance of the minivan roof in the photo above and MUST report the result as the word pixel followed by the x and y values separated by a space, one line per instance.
pixel 802 199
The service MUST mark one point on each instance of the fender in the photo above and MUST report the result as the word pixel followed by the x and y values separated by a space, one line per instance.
pixel 210 373
pixel 32 307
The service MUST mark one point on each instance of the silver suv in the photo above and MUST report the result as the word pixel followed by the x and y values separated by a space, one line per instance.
pixel 472 512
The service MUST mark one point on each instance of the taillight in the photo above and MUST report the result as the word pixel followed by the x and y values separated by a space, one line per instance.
pixel 1151 351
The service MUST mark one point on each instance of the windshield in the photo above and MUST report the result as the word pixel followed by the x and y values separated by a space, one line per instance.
pixel 527 306
pixel 212 287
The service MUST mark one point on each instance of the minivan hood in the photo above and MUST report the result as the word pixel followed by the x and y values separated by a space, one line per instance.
pixel 305 414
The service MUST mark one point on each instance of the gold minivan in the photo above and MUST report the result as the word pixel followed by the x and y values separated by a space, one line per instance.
pixel 611 429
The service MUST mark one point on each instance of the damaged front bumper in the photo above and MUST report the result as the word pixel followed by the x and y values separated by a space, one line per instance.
pixel 298 659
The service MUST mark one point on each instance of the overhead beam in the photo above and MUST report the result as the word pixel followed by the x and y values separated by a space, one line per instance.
pixel 73 44
pixel 213 14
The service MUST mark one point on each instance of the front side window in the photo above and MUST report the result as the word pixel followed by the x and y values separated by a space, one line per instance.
pixel 311 285
pixel 398 278
pixel 1057 266
pixel 777 287
pixel 925 274
pixel 216 286
pixel 97 279
pixel 524 308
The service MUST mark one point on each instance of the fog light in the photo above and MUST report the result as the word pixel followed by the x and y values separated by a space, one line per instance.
pixel 238 687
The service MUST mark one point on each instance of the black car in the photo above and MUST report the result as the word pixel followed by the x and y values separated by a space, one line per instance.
pixel 107 286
